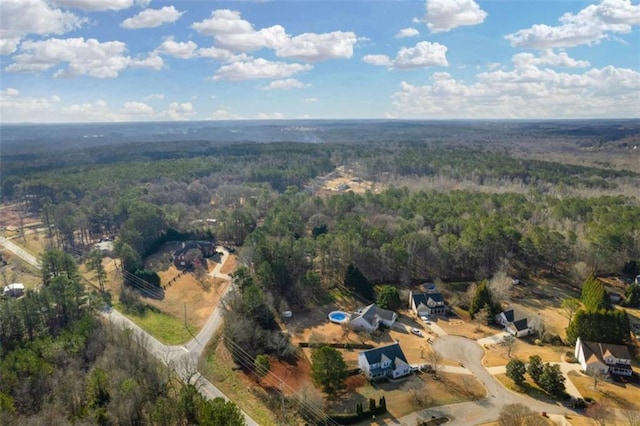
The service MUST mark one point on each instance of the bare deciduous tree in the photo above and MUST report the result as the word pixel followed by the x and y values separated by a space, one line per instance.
pixel 500 286
pixel 510 343
pixel 598 412
pixel 419 395
pixel 434 358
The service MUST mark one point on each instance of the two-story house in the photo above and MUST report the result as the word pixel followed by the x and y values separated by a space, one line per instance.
pixel 603 358
pixel 383 363
pixel 430 303
pixel 514 322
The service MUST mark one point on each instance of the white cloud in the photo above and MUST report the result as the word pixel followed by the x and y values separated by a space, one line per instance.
pixel 445 15
pixel 10 92
pixel 423 55
pixel 407 32
pixel 378 60
pixel 154 96
pixel 272 116
pixel 319 47
pixel 137 108
pixel 235 34
pixel 289 83
pixel 223 55
pixel 84 57
pixel 548 57
pixel 179 111
pixel 101 5
pixel 151 18
pixel 258 68
pixel 591 25
pixel 182 50
pixel 311 100
pixel 22 17
pixel 524 92
pixel 15 108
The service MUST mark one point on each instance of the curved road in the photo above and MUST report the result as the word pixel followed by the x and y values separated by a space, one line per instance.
pixel 484 410
pixel 182 358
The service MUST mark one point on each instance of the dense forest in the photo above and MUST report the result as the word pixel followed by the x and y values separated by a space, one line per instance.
pixel 449 202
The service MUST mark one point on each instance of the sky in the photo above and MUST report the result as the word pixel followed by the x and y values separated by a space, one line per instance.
pixel 67 61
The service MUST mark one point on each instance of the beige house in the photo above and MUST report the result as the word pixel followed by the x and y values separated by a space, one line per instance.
pixel 603 358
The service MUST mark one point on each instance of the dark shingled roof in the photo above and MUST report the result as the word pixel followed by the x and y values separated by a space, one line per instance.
pixel 392 352
pixel 521 324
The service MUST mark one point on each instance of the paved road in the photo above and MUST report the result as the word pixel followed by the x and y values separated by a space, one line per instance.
pixel 182 358
pixel 20 252
pixel 482 411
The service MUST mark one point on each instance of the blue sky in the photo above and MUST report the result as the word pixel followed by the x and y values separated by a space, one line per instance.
pixel 141 60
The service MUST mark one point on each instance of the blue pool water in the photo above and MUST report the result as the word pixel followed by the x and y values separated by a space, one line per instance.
pixel 338 316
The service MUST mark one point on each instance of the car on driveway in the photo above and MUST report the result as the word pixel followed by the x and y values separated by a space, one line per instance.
pixel 416 331
pixel 425 319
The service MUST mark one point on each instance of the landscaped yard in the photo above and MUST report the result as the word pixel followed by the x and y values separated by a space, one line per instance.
pixel 415 392
pixel 616 395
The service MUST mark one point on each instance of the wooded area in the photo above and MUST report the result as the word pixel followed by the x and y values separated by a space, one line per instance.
pixel 459 210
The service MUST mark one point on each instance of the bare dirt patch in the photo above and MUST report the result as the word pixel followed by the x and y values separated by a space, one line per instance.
pixel 344 180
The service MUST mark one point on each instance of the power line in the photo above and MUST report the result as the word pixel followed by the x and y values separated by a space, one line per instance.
pixel 246 361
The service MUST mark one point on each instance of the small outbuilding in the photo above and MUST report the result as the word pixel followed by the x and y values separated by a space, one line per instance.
pixel 13 290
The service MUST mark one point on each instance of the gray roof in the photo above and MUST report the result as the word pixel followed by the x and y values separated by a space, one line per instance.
pixel 392 352
pixel 521 324
pixel 419 298
pixel 370 312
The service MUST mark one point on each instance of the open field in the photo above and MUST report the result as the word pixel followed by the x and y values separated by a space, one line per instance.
pixel 187 295
pixel 615 395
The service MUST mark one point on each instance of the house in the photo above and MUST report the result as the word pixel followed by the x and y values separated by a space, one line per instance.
pixel 603 358
pixel 371 317
pixel 514 322
pixel 179 257
pixel 13 290
pixel 384 362
pixel 429 303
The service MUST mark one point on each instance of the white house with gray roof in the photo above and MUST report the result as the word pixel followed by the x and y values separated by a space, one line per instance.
pixel 387 362
pixel 371 317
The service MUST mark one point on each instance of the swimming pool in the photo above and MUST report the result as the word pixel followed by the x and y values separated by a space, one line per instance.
pixel 339 317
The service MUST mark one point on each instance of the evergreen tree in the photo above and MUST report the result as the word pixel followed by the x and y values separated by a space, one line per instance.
pixel 516 370
pixel 535 368
pixel 355 280
pixel 600 326
pixel 632 296
pixel 328 369
pixel 481 298
pixel 594 296
pixel 388 298
pixel 552 380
